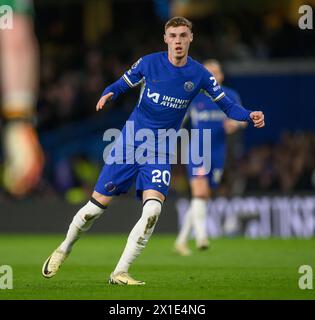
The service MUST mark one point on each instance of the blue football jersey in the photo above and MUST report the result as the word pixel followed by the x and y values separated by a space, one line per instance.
pixel 166 92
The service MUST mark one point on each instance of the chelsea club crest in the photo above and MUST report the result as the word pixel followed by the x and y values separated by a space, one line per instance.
pixel 110 187
pixel 189 86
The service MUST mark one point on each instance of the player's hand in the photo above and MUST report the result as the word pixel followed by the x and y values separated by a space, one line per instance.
pixel 258 119
pixel 230 126
pixel 103 100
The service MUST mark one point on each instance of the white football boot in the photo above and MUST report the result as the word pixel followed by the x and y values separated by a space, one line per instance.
pixel 53 263
pixel 124 278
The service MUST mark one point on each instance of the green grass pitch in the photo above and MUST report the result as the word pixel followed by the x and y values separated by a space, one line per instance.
pixel 232 269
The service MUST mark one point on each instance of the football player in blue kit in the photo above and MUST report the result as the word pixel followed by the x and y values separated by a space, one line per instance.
pixel 169 82
pixel 205 114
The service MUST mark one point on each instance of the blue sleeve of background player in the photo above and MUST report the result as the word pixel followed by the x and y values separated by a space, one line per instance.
pixel 232 94
pixel 237 98
pixel 232 109
pixel 130 79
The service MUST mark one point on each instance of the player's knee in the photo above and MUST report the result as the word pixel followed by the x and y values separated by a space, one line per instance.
pixel 200 188
pixel 201 193
pixel 152 206
pixel 101 199
pixel 87 214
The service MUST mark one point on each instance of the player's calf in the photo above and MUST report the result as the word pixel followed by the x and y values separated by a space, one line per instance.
pixel 81 222
pixel 139 235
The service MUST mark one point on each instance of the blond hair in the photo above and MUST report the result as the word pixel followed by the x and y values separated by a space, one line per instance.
pixel 177 22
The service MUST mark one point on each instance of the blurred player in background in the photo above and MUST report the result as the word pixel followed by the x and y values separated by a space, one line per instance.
pixel 170 80
pixel 19 58
pixel 205 114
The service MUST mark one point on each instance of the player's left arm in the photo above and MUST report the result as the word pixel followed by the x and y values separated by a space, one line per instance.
pixel 232 109
pixel 236 112
pixel 231 126
pixel 130 79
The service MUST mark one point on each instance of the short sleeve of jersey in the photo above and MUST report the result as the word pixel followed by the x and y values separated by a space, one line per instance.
pixel 211 87
pixel 135 74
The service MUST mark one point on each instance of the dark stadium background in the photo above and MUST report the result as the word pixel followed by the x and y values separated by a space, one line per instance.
pixel 85 45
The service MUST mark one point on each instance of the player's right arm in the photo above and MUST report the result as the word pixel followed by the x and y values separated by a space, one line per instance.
pixel 130 79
